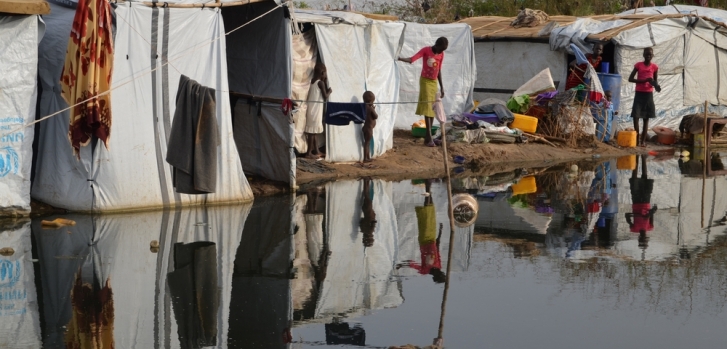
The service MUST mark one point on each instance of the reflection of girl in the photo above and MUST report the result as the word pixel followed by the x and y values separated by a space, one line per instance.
pixel 428 240
pixel 641 218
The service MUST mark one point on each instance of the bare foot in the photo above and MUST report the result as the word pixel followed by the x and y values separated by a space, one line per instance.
pixel 312 156
pixel 368 160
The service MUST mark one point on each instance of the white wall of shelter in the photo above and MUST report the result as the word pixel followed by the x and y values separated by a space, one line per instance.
pixel 133 173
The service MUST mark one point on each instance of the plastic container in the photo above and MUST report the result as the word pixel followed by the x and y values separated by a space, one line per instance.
pixel 491 118
pixel 525 186
pixel 525 123
pixel 422 131
pixel 665 135
pixel 627 162
pixel 605 67
pixel 612 82
pixel 604 126
pixel 626 139
pixel 465 209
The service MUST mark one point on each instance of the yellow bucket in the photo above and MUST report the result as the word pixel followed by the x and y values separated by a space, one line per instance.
pixel 627 162
pixel 525 123
pixel 626 139
pixel 525 186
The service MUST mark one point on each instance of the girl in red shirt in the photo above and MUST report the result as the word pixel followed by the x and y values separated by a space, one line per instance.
pixel 644 76
pixel 431 74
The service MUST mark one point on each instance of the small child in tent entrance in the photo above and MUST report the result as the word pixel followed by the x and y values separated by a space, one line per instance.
pixel 645 76
pixel 369 124
pixel 317 95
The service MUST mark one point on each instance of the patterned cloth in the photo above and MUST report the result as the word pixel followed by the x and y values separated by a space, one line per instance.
pixel 87 73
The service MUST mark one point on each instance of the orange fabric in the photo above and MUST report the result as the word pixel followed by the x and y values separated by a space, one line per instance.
pixel 87 73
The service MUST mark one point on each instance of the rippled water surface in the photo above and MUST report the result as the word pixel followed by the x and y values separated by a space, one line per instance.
pixel 598 256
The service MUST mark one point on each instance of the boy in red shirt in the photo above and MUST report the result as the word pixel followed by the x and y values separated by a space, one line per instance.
pixel 431 74
pixel 576 77
pixel 644 76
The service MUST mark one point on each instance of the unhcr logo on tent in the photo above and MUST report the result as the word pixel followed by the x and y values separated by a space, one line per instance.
pixel 9 161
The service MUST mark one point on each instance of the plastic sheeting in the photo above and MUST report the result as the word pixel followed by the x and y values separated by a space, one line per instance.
pixel 132 173
pixel 364 60
pixel 713 13
pixel 116 247
pixel 19 38
pixel 258 54
pixel 19 316
pixel 459 69
pixel 264 138
pixel 576 33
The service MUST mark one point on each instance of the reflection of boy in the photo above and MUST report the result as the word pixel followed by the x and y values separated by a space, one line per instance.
pixel 367 224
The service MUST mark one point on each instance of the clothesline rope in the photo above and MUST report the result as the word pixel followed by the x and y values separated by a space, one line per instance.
pixel 140 75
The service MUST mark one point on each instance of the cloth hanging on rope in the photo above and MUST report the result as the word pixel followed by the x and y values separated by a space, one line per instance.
pixel 341 114
pixel 87 73
pixel 194 138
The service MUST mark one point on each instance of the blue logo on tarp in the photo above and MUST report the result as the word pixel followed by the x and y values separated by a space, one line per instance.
pixel 9 161
pixel 9 274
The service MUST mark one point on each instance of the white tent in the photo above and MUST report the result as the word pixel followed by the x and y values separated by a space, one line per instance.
pixel 19 316
pixel 116 248
pixel 21 30
pixel 133 173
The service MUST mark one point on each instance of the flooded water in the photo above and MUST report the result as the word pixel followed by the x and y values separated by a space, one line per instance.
pixel 598 256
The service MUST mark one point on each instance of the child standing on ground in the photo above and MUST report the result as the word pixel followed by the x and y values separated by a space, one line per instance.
pixel 369 124
pixel 644 76
pixel 317 95
pixel 431 74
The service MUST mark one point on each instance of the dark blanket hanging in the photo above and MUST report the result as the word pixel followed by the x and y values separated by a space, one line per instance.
pixel 194 138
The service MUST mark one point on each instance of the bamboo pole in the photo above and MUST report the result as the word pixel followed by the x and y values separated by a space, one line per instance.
pixel 704 158
pixel 451 238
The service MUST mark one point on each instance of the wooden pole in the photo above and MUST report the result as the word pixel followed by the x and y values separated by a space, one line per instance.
pixel 217 3
pixel 451 237
pixel 704 158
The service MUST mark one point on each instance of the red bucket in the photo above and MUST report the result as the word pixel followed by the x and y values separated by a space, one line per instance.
pixel 595 96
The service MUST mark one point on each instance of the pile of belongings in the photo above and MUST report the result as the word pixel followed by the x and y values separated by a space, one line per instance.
pixel 486 123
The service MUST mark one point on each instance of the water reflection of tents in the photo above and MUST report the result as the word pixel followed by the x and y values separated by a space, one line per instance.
pixel 359 278
pixel 19 320
pixel 116 247
pixel 678 224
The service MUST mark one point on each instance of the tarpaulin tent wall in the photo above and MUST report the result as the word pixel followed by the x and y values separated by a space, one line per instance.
pixel 116 248
pixel 21 30
pixel 133 173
